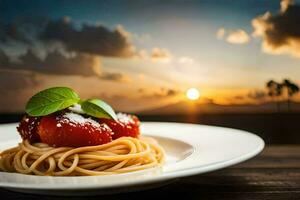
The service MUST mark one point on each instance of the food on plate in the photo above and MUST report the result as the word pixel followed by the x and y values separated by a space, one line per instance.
pixel 126 125
pixel 63 135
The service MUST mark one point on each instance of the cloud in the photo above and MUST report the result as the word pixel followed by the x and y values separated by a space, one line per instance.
pixel 4 59
pixel 57 47
pixel 284 4
pixel 171 92
pixel 46 35
pixel 158 53
pixel 165 92
pixel 280 33
pixel 141 38
pixel 141 90
pixel 220 33
pixel 186 60
pixel 257 95
pixel 12 81
pixel 162 92
pixel 92 39
pixel 16 87
pixel 239 97
pixel 238 37
pixel 115 76
pixel 12 32
pixel 58 64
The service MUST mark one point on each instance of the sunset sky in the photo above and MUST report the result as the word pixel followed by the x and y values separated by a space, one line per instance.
pixel 139 55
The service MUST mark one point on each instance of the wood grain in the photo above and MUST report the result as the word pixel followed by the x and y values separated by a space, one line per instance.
pixel 273 175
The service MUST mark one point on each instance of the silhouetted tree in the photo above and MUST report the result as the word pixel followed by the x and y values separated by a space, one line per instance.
pixel 291 88
pixel 274 90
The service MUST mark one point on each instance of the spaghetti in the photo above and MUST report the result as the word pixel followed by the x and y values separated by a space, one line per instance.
pixel 125 154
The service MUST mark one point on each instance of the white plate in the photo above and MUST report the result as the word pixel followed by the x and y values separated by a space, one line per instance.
pixel 190 149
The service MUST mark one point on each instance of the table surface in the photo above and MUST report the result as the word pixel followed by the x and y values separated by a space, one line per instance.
pixel 274 174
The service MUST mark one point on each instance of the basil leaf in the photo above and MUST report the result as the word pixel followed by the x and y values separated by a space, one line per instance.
pixel 98 108
pixel 51 100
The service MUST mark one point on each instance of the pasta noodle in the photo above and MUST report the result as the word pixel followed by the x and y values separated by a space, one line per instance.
pixel 125 154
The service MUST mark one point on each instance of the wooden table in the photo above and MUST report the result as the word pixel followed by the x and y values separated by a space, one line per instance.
pixel 274 174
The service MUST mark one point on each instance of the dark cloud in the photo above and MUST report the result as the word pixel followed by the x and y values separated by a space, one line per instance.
pixel 23 30
pixel 12 81
pixel 171 92
pixel 89 38
pixel 56 60
pixel 257 95
pixel 58 64
pixel 281 32
pixel 54 63
pixel 162 92
pixel 12 32
pixel 239 97
pixel 114 76
pixel 20 80
pixel 166 92
pixel 46 34
pixel 141 90
pixel 4 59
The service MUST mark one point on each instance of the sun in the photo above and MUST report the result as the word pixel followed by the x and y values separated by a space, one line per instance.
pixel 192 94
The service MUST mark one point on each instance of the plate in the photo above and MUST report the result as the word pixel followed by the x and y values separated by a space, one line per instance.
pixel 190 149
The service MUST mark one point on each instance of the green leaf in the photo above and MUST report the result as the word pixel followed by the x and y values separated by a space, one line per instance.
pixel 98 108
pixel 51 100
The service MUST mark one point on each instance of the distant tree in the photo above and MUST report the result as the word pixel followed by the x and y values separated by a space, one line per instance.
pixel 274 91
pixel 292 89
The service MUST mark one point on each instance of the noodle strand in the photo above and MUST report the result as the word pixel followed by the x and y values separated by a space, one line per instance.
pixel 125 154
